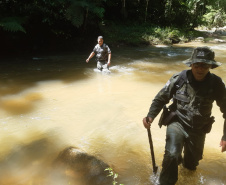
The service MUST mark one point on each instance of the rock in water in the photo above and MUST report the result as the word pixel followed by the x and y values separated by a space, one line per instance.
pixel 82 167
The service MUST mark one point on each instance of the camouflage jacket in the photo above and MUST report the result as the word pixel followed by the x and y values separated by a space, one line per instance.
pixel 193 100
pixel 101 52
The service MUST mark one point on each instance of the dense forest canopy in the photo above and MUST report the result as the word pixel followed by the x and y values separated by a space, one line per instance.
pixel 37 21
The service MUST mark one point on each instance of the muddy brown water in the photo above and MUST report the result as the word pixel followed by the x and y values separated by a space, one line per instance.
pixel 51 102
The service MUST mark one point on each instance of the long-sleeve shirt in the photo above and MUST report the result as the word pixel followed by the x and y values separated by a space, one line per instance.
pixel 199 106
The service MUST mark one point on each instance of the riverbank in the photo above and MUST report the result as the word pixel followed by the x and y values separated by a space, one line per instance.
pixel 137 35
pixel 115 35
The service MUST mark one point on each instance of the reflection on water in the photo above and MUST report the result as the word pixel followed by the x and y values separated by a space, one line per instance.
pixel 53 102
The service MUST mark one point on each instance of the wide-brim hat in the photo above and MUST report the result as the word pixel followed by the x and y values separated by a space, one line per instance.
pixel 202 54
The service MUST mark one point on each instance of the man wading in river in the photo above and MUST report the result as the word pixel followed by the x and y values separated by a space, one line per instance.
pixel 103 54
pixel 188 118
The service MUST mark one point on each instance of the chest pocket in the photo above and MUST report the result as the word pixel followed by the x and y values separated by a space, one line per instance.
pixel 204 104
pixel 182 96
pixel 193 102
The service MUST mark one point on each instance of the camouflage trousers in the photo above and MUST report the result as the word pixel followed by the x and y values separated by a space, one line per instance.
pixel 102 65
pixel 180 139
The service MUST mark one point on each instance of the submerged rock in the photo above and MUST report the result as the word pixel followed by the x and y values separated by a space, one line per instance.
pixel 82 167
pixel 219 41
pixel 199 39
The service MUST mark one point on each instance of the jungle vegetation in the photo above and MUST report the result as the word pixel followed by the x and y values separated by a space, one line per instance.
pixel 33 25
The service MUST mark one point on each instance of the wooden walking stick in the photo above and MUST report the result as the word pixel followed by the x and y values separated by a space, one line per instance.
pixel 155 168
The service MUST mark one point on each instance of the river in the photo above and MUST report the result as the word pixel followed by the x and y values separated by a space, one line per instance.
pixel 51 102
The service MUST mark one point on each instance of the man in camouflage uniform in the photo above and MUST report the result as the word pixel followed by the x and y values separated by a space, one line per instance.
pixel 103 54
pixel 189 118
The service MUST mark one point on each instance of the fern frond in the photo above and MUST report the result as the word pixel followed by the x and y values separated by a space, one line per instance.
pixel 76 15
pixel 12 24
pixel 98 11
pixel 75 12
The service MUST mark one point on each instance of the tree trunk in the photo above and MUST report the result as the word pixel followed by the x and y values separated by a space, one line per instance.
pixel 146 11
pixel 123 11
pixel 85 20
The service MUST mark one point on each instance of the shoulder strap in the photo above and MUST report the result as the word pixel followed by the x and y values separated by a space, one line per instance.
pixel 181 79
pixel 212 83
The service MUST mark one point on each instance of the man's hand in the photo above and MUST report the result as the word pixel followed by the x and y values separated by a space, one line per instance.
pixel 147 122
pixel 90 56
pixel 223 145
pixel 109 63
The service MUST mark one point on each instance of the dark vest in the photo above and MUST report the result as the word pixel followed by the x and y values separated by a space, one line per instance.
pixel 194 100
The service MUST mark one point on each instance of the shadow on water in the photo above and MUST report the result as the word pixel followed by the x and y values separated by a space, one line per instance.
pixel 30 160
pixel 43 158
pixel 18 75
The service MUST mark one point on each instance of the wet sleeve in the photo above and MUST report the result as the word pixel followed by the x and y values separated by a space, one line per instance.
pixel 163 97
pixel 221 101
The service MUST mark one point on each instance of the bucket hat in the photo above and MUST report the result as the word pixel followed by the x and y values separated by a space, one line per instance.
pixel 202 54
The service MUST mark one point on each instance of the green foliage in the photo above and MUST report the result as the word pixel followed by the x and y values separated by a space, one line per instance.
pixel 113 175
pixel 82 13
pixel 78 10
pixel 75 14
pixel 214 17
pixel 169 35
pixel 159 35
pixel 135 35
pixel 129 34
pixel 217 4
pixel 129 22
pixel 49 12
pixel 186 13
pixel 12 24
